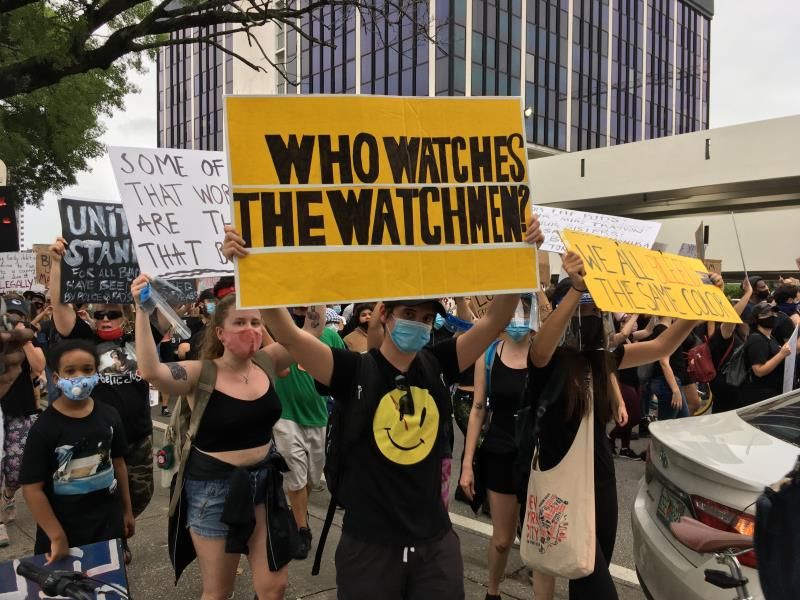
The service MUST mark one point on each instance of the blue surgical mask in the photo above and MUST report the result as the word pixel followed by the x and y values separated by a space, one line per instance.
pixel 78 388
pixel 410 336
pixel 438 322
pixel 517 332
pixel 211 308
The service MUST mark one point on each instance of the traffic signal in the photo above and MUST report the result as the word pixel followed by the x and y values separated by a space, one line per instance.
pixel 9 238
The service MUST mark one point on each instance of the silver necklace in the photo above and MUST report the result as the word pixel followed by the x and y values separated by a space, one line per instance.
pixel 244 376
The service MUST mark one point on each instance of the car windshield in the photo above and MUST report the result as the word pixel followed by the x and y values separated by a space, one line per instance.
pixel 779 417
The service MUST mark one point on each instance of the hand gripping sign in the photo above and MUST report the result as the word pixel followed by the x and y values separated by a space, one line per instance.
pixel 348 198
pixel 626 278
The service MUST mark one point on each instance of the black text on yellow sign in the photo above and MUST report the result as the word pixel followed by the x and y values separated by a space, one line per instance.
pixel 626 278
pixel 411 216
pixel 388 181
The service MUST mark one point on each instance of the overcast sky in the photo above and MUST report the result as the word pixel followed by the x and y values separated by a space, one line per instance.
pixel 754 76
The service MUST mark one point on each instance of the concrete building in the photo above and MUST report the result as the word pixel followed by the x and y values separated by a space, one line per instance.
pixel 592 73
pixel 750 169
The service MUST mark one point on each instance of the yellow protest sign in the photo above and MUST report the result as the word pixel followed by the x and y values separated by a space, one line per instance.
pixel 626 278
pixel 347 198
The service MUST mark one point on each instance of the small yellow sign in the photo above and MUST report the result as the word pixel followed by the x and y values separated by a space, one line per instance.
pixel 347 198
pixel 626 278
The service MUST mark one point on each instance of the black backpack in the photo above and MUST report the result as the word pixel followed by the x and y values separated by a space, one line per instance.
pixel 348 424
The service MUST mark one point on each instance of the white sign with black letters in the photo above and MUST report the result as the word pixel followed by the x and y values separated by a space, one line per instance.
pixel 177 203
pixel 631 231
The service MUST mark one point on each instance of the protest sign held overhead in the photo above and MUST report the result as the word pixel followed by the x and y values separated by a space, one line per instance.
pixel 344 198
pixel 178 203
pixel 100 264
pixel 42 252
pixel 630 279
pixel 17 271
pixel 631 231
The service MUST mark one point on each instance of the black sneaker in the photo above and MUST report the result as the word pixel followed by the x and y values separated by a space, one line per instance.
pixel 165 412
pixel 304 546
pixel 644 427
pixel 628 453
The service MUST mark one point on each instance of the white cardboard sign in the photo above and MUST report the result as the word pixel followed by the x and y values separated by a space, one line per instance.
pixel 631 231
pixel 789 362
pixel 17 271
pixel 177 203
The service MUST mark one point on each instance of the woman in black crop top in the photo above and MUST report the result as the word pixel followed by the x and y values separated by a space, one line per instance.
pixel 229 473
pixel 501 377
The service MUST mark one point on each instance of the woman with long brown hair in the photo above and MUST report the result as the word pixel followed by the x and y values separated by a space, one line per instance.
pixel 570 351
pixel 232 446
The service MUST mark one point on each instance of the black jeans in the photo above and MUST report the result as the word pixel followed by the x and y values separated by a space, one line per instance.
pixel 599 585
pixel 422 572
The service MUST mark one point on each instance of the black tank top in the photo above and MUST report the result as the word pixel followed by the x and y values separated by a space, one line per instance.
pixel 507 387
pixel 232 424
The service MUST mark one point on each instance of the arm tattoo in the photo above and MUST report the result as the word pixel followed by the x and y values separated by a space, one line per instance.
pixel 478 406
pixel 178 372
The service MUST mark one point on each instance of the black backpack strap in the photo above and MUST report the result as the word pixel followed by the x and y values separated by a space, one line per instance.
pixel 323 536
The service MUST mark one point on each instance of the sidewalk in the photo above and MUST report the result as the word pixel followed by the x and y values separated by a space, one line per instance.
pixel 150 576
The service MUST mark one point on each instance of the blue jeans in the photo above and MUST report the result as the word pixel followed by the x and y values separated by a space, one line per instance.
pixel 660 387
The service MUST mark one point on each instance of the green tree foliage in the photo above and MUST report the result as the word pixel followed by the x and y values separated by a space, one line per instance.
pixel 63 64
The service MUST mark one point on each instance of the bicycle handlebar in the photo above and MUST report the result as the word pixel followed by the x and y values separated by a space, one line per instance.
pixel 55 583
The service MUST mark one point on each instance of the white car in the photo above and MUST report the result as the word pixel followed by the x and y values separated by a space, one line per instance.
pixel 711 468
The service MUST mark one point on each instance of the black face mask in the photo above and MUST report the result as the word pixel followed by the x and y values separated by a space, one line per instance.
pixel 762 294
pixel 767 323
pixel 299 320
pixel 591 331
pixel 364 325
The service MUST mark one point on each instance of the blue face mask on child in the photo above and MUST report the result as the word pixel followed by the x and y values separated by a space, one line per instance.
pixel 78 388
pixel 410 336
pixel 517 332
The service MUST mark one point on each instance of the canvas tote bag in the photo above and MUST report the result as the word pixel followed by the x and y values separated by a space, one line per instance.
pixel 558 535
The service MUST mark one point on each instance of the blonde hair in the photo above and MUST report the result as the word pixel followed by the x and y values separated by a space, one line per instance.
pixel 212 346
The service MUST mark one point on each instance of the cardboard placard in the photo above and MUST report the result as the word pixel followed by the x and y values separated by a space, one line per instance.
pixel 42 252
pixel 714 265
pixel 349 198
pixel 17 271
pixel 100 264
pixel 789 363
pixel 626 278
pixel 480 305
pixel 178 203
pixel 632 231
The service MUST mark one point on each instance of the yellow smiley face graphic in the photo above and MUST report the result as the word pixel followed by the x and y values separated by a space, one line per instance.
pixel 406 440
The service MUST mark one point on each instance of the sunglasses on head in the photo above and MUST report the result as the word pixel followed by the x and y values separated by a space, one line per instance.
pixel 107 314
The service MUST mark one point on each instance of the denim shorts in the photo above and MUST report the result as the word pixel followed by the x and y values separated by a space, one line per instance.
pixel 205 501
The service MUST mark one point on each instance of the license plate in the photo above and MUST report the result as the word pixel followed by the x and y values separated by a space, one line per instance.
pixel 670 507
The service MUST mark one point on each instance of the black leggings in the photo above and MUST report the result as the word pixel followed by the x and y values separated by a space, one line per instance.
pixel 599 585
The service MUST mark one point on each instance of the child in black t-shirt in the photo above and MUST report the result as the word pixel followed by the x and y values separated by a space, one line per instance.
pixel 73 473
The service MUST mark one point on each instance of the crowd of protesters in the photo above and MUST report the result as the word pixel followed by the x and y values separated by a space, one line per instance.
pixel 78 434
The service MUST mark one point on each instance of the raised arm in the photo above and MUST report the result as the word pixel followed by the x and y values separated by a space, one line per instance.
pixel 643 353
pixel 549 335
pixel 727 329
pixel 63 315
pixel 179 378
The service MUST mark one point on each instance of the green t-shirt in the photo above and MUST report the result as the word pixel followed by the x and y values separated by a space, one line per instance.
pixel 300 401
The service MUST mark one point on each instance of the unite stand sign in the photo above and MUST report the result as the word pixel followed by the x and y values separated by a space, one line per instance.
pixel 357 198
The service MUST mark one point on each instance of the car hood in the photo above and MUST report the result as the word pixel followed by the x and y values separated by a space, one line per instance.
pixel 727 445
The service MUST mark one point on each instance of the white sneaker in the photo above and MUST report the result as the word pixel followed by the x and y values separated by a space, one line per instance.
pixel 8 508
pixel 4 541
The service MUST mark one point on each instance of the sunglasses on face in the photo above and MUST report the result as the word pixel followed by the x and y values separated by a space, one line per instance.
pixel 99 315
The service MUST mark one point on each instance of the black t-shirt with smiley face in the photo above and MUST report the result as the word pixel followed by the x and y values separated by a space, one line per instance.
pixel 394 471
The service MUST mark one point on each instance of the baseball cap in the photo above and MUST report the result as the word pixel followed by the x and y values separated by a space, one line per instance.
pixel 18 306
pixel 438 307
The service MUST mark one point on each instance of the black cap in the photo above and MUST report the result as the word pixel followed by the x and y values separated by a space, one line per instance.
pixel 17 305
pixel 32 295
pixel 437 306
pixel 762 309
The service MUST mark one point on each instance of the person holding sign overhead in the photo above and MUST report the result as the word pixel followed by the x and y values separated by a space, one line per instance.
pixel 569 377
pixel 396 537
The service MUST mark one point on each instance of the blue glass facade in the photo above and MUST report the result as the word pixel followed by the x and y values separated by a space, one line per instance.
pixel 591 73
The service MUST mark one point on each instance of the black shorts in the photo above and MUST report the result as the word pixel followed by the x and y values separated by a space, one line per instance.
pixel 498 469
pixel 423 572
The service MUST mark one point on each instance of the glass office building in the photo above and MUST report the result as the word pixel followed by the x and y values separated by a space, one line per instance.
pixel 592 73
